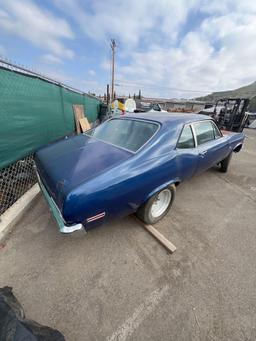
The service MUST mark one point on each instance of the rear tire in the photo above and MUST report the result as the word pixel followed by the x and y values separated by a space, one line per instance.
pixel 225 163
pixel 157 206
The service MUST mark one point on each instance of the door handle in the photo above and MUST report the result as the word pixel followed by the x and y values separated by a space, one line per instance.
pixel 203 153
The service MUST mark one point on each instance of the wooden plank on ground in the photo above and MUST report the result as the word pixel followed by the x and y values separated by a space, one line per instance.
pixel 84 123
pixel 161 238
pixel 78 113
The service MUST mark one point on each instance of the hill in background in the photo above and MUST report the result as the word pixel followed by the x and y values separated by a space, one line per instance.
pixel 248 91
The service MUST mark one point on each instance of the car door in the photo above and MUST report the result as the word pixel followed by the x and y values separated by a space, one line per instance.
pixel 212 147
pixel 187 154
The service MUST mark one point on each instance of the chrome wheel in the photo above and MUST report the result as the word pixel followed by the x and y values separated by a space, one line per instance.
pixel 161 203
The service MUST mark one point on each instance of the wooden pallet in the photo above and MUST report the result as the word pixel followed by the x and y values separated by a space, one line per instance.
pixel 82 123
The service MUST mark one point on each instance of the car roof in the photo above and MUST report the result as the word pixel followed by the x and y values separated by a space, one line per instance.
pixel 168 117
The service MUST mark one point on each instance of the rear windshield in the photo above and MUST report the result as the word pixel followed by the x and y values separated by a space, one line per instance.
pixel 124 133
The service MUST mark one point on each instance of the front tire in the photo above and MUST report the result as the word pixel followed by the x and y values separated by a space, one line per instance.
pixel 157 206
pixel 225 163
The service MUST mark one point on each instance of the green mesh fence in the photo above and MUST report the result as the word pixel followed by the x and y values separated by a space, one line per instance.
pixel 34 112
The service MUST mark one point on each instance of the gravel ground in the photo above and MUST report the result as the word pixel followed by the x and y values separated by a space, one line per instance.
pixel 117 283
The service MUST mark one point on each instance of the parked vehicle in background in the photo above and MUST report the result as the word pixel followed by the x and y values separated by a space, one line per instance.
pixel 229 113
pixel 129 164
pixel 121 106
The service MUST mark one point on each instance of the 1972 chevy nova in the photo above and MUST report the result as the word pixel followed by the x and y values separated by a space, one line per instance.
pixel 129 165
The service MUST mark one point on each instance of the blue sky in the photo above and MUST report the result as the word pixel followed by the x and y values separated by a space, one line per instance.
pixel 168 48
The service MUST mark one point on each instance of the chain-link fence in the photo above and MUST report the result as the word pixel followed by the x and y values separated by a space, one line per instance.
pixel 15 180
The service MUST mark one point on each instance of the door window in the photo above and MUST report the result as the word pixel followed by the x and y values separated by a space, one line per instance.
pixel 186 139
pixel 204 132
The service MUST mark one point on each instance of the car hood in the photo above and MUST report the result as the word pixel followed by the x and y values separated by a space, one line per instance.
pixel 64 165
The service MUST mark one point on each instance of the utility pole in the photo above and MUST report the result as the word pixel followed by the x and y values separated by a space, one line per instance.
pixel 113 46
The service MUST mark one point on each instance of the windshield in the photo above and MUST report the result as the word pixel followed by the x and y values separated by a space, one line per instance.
pixel 124 133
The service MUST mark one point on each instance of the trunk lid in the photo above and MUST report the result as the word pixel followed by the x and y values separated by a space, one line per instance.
pixel 64 165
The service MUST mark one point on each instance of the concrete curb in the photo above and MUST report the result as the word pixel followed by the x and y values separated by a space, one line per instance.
pixel 10 217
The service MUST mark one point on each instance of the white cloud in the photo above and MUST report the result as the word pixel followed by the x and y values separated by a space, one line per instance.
pixel 105 65
pixel 219 54
pixel 128 21
pixel 157 52
pixel 223 7
pixel 91 72
pixel 30 22
pixel 51 59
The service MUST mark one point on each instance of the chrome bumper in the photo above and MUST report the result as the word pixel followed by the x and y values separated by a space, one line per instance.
pixel 56 212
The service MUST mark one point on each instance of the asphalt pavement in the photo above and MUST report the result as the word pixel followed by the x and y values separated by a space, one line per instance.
pixel 118 283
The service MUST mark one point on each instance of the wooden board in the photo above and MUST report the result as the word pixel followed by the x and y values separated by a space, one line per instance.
pixel 78 113
pixel 84 123
pixel 161 238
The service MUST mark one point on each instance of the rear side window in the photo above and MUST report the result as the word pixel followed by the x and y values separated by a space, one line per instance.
pixel 204 132
pixel 186 139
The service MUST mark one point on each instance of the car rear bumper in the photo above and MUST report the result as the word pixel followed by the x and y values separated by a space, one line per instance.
pixel 56 212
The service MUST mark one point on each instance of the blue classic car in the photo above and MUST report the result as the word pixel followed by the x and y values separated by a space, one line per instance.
pixel 130 164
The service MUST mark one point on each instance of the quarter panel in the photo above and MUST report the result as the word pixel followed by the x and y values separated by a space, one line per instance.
pixel 120 192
